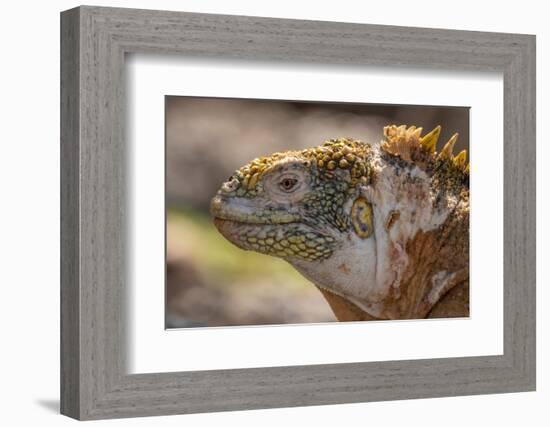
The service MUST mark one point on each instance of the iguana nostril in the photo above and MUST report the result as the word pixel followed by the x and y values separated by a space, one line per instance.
pixel 230 186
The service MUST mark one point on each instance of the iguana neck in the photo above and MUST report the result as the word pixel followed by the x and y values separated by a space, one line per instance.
pixel 455 303
pixel 434 284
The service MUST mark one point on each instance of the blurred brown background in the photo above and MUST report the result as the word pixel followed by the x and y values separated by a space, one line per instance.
pixel 209 281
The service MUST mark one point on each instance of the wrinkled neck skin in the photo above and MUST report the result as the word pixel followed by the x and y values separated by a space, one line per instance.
pixel 417 252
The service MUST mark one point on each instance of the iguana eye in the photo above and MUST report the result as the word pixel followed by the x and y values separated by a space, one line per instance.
pixel 288 184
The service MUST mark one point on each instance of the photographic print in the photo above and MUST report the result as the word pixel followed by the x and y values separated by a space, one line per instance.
pixel 285 212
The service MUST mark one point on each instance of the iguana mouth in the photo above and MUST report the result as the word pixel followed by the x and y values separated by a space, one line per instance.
pixel 244 212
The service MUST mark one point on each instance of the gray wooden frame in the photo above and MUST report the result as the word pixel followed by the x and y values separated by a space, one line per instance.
pixel 94 41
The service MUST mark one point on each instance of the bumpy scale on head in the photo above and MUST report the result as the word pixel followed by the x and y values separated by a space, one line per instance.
pixel 341 153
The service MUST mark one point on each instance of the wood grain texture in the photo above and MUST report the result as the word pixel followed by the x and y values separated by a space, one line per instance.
pixel 70 291
pixel 94 270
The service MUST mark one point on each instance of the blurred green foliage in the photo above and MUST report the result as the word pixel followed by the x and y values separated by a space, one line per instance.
pixel 220 263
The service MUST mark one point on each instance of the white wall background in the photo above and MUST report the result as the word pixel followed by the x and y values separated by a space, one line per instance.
pixel 29 212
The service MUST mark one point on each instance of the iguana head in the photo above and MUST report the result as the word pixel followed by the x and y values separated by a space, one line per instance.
pixel 297 205
pixel 346 213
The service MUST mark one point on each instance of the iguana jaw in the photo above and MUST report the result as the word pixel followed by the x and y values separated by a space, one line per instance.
pixel 270 231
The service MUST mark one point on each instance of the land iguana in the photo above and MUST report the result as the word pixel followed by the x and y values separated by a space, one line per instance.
pixel 381 229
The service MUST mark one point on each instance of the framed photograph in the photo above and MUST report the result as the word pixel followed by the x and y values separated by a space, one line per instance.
pixel 261 213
